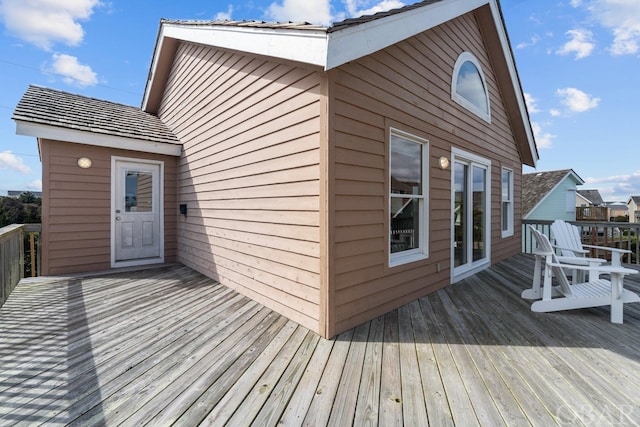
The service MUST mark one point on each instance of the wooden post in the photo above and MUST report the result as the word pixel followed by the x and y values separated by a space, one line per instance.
pixel 32 251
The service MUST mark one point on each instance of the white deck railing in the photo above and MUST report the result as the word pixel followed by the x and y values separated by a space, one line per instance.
pixel 623 235
pixel 13 258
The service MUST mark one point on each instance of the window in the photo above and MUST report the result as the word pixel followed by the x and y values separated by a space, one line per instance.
pixel 408 158
pixel 507 202
pixel 468 86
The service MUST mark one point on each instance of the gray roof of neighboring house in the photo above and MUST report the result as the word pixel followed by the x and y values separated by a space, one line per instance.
pixel 593 196
pixel 617 205
pixel 56 108
pixel 636 199
pixel 535 186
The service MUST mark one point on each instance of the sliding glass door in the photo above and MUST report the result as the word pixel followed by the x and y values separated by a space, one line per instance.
pixel 470 214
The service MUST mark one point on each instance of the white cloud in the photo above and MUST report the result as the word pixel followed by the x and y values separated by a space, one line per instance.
pixel 616 187
pixel 317 11
pixel 543 139
pixel 72 71
pixel 12 162
pixel 35 185
pixel 532 42
pixel 360 7
pixel 622 17
pixel 581 43
pixel 576 100
pixel 225 16
pixel 531 103
pixel 45 22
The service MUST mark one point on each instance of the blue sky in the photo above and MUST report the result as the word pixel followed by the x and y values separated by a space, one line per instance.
pixel 578 60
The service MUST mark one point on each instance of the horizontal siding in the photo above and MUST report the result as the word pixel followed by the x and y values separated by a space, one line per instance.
pixel 249 175
pixel 554 204
pixel 76 217
pixel 407 86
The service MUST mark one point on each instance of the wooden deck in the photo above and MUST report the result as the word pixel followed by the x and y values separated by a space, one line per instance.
pixel 168 346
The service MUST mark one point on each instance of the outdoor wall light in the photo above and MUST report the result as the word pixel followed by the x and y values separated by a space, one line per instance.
pixel 84 162
pixel 444 162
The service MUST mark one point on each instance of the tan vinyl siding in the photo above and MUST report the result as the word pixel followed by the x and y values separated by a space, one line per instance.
pixel 408 87
pixel 76 216
pixel 249 175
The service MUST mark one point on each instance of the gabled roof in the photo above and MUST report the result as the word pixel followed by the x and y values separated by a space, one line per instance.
pixel 537 186
pixel 349 40
pixel 617 205
pixel 593 196
pixel 53 114
pixel 636 200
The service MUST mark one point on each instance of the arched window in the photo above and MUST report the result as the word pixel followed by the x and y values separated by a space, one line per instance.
pixel 468 86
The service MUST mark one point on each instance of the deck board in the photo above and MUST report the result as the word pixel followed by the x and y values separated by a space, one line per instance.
pixel 168 346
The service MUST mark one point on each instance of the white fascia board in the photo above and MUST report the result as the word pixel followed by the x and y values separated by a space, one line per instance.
pixel 576 177
pixel 306 46
pixel 364 39
pixel 152 71
pixel 97 139
pixel 495 12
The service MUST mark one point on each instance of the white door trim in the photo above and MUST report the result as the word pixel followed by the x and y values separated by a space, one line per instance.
pixel 471 268
pixel 112 207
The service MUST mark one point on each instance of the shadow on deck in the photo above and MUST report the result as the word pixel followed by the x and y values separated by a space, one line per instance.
pixel 169 345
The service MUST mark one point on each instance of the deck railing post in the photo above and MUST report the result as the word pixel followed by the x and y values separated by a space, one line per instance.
pixel 32 250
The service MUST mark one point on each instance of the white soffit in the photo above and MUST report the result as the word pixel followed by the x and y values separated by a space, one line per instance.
pixel 363 39
pixel 101 140
pixel 308 46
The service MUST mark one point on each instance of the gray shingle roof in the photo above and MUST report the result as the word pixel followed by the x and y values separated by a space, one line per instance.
pixel 537 185
pixel 52 107
pixel 593 196
pixel 250 24
pixel 337 26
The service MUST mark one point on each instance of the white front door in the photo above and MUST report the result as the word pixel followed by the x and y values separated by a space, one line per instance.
pixel 136 212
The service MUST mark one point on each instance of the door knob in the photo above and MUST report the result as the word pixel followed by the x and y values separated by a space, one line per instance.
pixel 117 218
pixel 117 210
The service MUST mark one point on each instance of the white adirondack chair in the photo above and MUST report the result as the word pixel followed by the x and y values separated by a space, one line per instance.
pixel 596 292
pixel 569 242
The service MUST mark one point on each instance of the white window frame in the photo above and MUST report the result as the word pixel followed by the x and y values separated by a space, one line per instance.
pixel 422 251
pixel 469 57
pixel 510 217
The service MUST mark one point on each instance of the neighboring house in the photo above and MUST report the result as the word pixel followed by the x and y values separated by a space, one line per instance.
pixel 617 209
pixel 590 206
pixel 331 174
pixel 12 193
pixel 550 195
pixel 587 198
pixel 633 205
